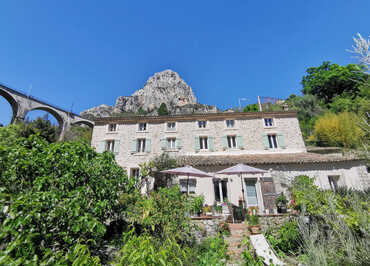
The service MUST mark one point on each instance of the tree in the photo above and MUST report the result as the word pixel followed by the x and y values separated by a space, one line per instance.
pixel 338 130
pixel 308 107
pixel 58 197
pixel 330 80
pixel 251 108
pixel 78 133
pixel 41 126
pixel 163 109
pixel 361 49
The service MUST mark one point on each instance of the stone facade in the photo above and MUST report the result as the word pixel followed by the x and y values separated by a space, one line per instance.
pixel 281 164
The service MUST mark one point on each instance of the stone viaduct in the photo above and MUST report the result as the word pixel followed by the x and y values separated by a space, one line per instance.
pixel 22 104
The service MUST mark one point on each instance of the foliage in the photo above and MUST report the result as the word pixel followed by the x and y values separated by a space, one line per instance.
pixel 148 250
pixel 253 220
pixel 330 80
pixel 286 238
pixel 281 199
pixel 224 229
pixel 161 214
pixel 141 111
pixel 249 256
pixel 57 195
pixel 212 251
pixel 163 109
pixel 154 167
pixel 251 108
pixel 40 126
pixel 338 130
pixel 78 133
pixel 196 204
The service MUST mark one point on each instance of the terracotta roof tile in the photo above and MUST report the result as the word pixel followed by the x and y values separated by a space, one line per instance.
pixel 255 159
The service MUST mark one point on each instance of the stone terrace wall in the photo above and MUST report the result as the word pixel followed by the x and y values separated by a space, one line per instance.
pixel 274 220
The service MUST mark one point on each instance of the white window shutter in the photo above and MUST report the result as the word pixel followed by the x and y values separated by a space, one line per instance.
pixel 133 146
pixel 147 145
pixel 116 146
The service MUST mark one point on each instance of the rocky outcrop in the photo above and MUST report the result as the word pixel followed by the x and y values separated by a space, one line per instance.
pixel 163 87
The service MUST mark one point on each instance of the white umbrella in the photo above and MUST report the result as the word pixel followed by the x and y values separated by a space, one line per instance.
pixel 241 169
pixel 188 171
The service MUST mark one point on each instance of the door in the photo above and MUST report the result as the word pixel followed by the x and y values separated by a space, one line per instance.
pixel 250 189
pixel 268 194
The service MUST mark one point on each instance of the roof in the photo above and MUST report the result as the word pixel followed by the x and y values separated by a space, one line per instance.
pixel 258 159
pixel 192 117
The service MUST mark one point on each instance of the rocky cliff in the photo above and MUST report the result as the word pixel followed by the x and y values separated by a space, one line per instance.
pixel 163 87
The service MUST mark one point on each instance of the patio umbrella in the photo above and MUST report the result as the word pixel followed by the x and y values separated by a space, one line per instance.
pixel 241 169
pixel 188 171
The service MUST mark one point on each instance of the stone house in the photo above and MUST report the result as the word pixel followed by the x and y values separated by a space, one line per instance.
pixel 271 141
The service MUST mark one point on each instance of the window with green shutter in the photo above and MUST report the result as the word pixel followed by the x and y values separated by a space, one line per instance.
pixel 196 144
pixel 101 147
pixel 116 146
pixel 211 143
pixel 133 146
pixel 281 141
pixel 239 142
pixel 147 145
pixel 163 144
pixel 224 142
pixel 265 141
pixel 178 143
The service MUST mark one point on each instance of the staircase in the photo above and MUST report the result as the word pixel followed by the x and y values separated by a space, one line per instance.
pixel 239 232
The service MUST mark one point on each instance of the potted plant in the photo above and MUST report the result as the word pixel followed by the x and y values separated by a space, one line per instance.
pixel 253 224
pixel 206 210
pixel 197 205
pixel 281 203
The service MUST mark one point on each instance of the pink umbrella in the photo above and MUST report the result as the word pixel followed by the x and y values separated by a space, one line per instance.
pixel 188 171
pixel 241 169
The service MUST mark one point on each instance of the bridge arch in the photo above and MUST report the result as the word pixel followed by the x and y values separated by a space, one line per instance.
pixel 87 123
pixel 13 103
pixel 51 111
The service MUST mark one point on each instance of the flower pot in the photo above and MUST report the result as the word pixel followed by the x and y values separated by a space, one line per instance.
pixel 281 209
pixel 254 229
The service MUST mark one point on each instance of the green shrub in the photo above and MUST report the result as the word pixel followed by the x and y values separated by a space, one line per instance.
pixel 287 238
pixel 148 250
pixel 57 195
pixel 212 251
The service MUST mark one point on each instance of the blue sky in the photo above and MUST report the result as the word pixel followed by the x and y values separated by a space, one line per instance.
pixel 88 53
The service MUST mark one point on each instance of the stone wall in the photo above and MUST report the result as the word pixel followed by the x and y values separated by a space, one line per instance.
pixel 273 220
pixel 207 226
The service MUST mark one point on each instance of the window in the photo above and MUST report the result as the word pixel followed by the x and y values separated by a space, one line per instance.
pixel 250 189
pixel 135 172
pixel 140 146
pixel 202 124
pixel 268 122
pixel 333 182
pixel 220 184
pixel 142 126
pixel 272 141
pixel 112 127
pixel 230 123
pixel 184 185
pixel 171 126
pixel 231 142
pixel 171 143
pixel 203 143
pixel 109 145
